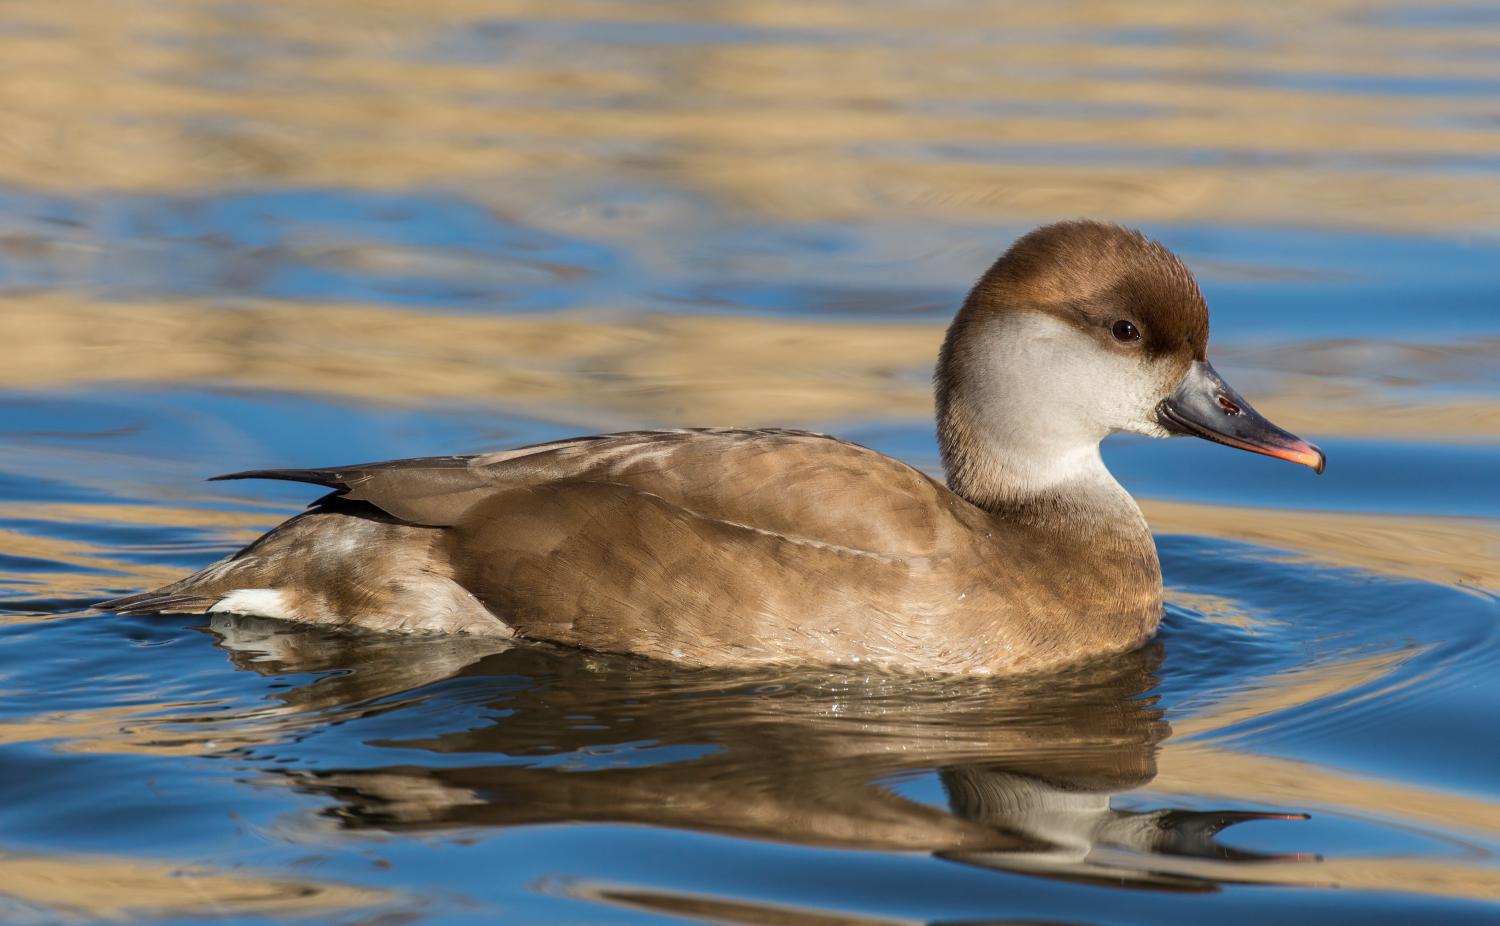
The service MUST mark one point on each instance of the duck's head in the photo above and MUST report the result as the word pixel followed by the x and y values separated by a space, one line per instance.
pixel 1082 329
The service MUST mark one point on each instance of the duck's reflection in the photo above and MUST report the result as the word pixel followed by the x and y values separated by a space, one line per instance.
pixel 1022 772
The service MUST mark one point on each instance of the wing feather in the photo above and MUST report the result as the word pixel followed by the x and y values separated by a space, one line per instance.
pixel 796 483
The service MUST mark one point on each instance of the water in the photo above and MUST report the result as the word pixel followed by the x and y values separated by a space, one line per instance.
pixel 249 234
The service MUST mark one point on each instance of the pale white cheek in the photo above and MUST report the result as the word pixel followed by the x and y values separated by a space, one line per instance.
pixel 1110 390
pixel 1045 394
pixel 1142 389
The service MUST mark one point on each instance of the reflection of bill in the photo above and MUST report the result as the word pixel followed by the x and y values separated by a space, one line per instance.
pixel 1029 766
pixel 1080 834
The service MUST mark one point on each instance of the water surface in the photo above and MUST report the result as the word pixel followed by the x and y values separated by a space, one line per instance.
pixel 250 234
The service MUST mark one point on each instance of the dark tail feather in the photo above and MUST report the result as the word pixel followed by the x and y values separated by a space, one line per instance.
pixel 159 602
pixel 346 477
pixel 335 478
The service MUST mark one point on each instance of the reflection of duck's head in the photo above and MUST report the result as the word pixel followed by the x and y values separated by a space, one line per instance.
pixel 1082 329
pixel 1077 832
pixel 1028 764
pixel 790 755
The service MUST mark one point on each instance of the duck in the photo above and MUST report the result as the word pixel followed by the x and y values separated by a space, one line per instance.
pixel 762 546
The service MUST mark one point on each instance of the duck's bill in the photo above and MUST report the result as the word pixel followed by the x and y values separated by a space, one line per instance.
pixel 1205 406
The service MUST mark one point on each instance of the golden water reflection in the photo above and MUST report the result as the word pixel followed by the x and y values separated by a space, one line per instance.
pixel 924 134
pixel 100 888
pixel 831 111
pixel 1031 769
pixel 605 369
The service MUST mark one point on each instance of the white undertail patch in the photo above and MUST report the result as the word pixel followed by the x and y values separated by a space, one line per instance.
pixel 256 602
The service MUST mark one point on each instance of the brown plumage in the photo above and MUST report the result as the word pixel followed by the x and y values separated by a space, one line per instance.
pixel 723 546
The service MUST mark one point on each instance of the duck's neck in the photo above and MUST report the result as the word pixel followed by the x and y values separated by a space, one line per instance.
pixel 1013 436
pixel 1069 495
pixel 1020 439
pixel 1009 477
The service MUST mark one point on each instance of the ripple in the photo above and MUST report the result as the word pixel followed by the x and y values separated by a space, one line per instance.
pixel 430 249
pixel 234 238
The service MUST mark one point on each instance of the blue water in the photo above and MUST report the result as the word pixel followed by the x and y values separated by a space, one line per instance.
pixel 352 235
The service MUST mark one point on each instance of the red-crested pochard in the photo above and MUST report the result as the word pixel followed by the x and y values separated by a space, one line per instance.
pixel 741 547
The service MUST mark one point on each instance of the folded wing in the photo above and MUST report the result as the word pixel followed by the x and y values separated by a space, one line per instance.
pixel 795 483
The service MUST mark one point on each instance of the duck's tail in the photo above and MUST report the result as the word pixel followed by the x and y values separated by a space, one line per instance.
pixel 343 564
pixel 159 601
pixel 196 594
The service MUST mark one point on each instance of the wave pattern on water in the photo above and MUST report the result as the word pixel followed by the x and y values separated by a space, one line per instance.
pixel 259 234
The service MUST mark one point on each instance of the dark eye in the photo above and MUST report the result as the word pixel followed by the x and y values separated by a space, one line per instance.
pixel 1125 331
